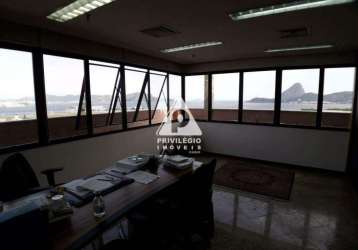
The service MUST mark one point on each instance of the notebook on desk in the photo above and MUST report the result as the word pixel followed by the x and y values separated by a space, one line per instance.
pixel 81 191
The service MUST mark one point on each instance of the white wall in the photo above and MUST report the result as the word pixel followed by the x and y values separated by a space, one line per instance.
pixel 83 157
pixel 305 147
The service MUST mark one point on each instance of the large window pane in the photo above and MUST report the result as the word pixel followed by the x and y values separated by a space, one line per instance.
pixel 225 96
pixel 196 89
pixel 18 124
pixel 105 93
pixel 136 81
pixel 299 96
pixel 338 97
pixel 259 96
pixel 63 84
pixel 159 95
pixel 174 88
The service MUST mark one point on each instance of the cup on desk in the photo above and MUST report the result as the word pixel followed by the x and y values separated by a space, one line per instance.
pixel 57 202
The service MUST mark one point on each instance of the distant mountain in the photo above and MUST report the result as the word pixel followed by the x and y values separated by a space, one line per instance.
pixel 340 97
pixel 296 93
pixel 293 93
pixel 261 100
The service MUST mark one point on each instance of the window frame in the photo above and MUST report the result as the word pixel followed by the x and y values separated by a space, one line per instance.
pixel 115 104
pixel 41 109
pixel 355 91
pixel 209 99
pixel 239 97
pixel 278 87
pixel 318 112
pixel 242 97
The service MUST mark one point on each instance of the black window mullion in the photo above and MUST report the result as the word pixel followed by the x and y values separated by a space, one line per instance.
pixel 109 117
pixel 149 100
pixel 40 96
pixel 123 97
pixel 89 118
pixel 241 96
pixel 320 98
pixel 168 93
pixel 183 87
pixel 210 96
pixel 183 91
pixel 278 90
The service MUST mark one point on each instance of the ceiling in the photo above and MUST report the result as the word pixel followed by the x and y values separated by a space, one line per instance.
pixel 120 22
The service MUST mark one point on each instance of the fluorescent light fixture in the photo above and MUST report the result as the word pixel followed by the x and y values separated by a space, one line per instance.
pixel 326 46
pixel 191 46
pixel 76 9
pixel 285 7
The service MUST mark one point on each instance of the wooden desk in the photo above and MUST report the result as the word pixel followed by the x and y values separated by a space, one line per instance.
pixel 82 227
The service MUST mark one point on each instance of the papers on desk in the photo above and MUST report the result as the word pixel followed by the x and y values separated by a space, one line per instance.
pixel 132 163
pixel 97 183
pixel 177 159
pixel 143 177
pixel 178 162
pixel 71 187
pixel 84 188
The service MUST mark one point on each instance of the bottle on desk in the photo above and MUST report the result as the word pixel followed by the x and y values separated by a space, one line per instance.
pixel 99 209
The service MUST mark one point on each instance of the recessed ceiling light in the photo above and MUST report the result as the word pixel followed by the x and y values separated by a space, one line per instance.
pixel 191 46
pixel 285 7
pixel 326 46
pixel 76 9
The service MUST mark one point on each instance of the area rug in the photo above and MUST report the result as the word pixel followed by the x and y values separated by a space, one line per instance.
pixel 256 178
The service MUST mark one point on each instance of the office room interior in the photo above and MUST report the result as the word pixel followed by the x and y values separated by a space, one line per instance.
pixel 179 125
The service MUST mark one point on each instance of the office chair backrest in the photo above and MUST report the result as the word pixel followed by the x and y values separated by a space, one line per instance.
pixel 16 177
pixel 24 227
pixel 199 208
pixel 202 181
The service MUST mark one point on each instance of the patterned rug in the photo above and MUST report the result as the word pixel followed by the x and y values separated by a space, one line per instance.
pixel 256 178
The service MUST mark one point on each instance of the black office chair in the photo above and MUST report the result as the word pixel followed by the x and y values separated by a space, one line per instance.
pixel 183 210
pixel 198 205
pixel 18 179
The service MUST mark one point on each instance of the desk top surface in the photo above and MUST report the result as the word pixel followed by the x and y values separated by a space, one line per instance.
pixel 83 227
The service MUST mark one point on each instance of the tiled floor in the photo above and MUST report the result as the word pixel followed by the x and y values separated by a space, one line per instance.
pixel 321 214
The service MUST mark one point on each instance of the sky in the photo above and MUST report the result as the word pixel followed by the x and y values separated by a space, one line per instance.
pixel 64 76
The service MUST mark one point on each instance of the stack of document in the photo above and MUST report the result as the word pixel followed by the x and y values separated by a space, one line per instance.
pixel 84 188
pixel 132 163
pixel 143 177
pixel 179 162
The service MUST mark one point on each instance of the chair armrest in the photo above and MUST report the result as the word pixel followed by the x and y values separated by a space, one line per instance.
pixel 51 170
pixel 50 174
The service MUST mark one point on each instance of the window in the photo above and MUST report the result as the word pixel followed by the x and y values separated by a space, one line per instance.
pixel 137 96
pixel 65 96
pixel 196 89
pixel 225 96
pixel 18 124
pixel 299 97
pixel 105 79
pixel 174 89
pixel 338 97
pixel 159 95
pixel 259 96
